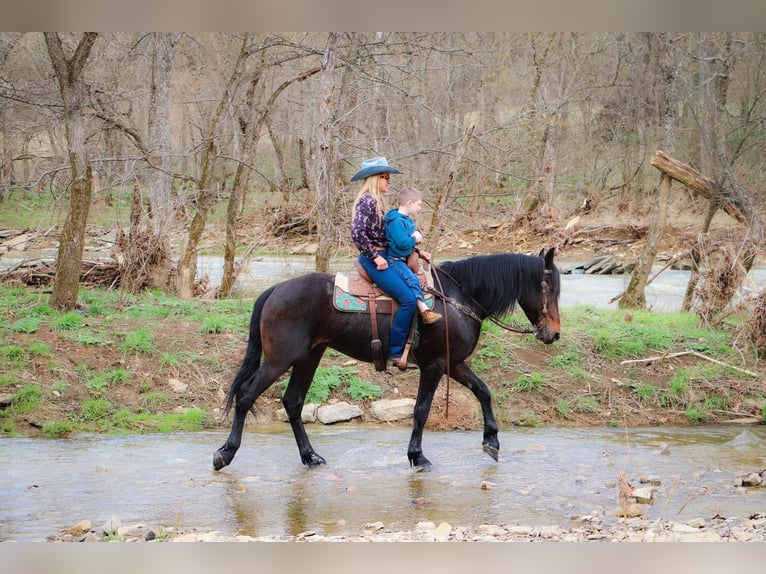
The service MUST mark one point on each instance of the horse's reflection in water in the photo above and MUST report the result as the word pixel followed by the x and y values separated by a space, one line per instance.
pixel 295 321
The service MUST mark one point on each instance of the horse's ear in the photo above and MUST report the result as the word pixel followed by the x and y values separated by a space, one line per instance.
pixel 542 252
pixel 549 258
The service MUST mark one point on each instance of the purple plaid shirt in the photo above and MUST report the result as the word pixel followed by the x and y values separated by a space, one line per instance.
pixel 367 229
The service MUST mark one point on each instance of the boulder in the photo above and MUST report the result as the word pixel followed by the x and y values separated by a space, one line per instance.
pixel 388 410
pixel 308 414
pixel 338 412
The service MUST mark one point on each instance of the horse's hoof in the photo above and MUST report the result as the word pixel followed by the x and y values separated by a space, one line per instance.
pixel 314 460
pixel 492 451
pixel 420 463
pixel 218 462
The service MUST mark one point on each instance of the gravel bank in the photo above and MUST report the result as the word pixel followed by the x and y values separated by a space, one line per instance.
pixel 586 529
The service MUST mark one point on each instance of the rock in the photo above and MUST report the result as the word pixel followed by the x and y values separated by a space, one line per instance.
pixel 79 528
pixel 651 480
pixel 443 531
pixel 643 495
pixel 490 530
pixel 388 410
pixel 752 479
pixel 425 525
pixel 374 526
pixel 18 243
pixel 308 414
pixel 111 526
pixel 178 386
pixel 338 412
pixel 90 537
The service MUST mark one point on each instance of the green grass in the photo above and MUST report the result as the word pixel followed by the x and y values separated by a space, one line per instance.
pixel 96 409
pixel 13 354
pixel 615 338
pixel 528 420
pixel 68 321
pixel 564 409
pixel 530 382
pixel 360 390
pixel 694 414
pixel 26 325
pixel 58 429
pixel 646 392
pixel 138 342
pixel 27 399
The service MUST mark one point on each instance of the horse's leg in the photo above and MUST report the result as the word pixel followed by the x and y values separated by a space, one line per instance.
pixel 429 379
pixel 466 377
pixel 293 399
pixel 249 391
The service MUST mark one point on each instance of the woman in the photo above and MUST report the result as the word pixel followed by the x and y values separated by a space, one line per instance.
pixel 368 233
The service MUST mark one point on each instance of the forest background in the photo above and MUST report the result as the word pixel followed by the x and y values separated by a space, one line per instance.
pixel 514 130
pixel 237 144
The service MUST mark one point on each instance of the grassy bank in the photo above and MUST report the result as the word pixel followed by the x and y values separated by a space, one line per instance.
pixel 154 363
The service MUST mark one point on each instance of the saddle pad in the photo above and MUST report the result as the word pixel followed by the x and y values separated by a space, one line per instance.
pixel 351 293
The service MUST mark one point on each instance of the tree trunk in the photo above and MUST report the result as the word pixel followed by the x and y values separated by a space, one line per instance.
pixel 634 296
pixel 205 196
pixel 252 128
pixel 280 180
pixel 324 193
pixel 69 73
pixel 159 179
pixel 445 195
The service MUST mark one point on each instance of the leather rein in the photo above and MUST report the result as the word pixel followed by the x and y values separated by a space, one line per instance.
pixel 466 310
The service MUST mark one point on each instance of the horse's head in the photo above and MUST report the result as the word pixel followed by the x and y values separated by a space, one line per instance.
pixel 541 306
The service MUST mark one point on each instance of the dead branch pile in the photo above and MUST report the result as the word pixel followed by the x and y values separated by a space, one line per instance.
pixel 289 220
pixel 40 273
pixel 755 328
pixel 144 261
pixel 721 276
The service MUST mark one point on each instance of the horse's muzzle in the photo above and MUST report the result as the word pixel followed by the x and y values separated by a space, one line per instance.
pixel 547 333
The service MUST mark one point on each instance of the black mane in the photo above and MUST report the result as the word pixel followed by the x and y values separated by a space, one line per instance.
pixel 498 281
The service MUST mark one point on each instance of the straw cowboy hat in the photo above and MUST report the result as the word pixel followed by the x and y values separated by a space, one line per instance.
pixel 374 166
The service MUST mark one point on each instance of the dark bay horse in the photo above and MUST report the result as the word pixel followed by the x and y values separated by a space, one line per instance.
pixel 294 321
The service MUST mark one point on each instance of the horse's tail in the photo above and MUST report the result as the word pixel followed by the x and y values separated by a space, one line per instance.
pixel 252 360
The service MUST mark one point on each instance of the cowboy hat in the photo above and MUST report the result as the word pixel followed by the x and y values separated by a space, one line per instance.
pixel 374 166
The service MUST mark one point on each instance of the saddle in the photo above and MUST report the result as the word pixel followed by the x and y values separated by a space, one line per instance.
pixel 355 292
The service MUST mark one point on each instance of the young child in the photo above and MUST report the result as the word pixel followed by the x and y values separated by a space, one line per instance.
pixel 402 236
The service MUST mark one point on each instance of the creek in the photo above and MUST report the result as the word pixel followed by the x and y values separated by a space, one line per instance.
pixel 546 476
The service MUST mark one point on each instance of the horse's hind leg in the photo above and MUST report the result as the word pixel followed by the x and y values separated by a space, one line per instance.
pixel 248 393
pixel 293 399
pixel 466 377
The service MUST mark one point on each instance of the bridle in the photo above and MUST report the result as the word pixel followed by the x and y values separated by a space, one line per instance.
pixel 466 310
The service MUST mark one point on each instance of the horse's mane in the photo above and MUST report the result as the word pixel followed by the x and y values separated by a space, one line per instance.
pixel 498 281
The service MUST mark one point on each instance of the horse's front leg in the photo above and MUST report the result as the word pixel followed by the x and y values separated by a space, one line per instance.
pixel 429 379
pixel 293 400
pixel 466 377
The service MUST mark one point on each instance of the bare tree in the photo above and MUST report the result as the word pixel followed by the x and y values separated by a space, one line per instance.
pixel 205 187
pixel 635 294
pixel 324 180
pixel 254 116
pixel 69 74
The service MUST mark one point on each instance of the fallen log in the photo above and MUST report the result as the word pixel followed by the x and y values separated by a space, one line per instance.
pixel 706 187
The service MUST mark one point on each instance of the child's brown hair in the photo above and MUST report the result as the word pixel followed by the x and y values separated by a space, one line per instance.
pixel 409 194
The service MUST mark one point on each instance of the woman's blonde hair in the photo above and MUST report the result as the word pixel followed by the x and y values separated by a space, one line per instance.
pixel 370 186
